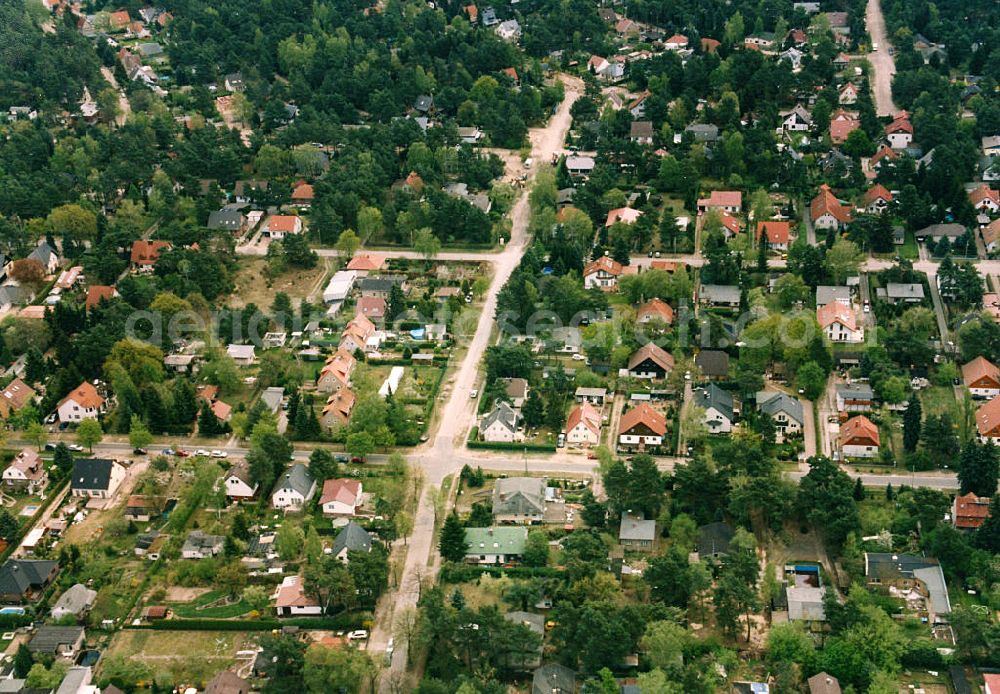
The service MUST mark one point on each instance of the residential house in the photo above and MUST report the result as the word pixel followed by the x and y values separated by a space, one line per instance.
pixel 991 145
pixel 637 534
pixel 988 421
pixel 848 95
pixel 805 600
pixel 226 682
pixel 246 190
pixel 231 220
pixel 991 236
pixel 470 135
pixel 501 424
pixel 351 538
pixel 302 194
pixel 97 293
pixel 339 287
pixel 336 372
pixel 854 397
pixel 622 215
pixel 641 132
pixel 338 408
pixel 626 28
pixel 985 199
pixel 602 273
pixel 982 378
pixel 138 508
pixel 822 683
pixel 884 153
pixel 509 30
pixel 233 82
pixel 239 485
pixel 677 42
pixel 991 683
pixel 650 361
pixel 45 256
pixel 364 263
pixel 778 234
pixel 859 438
pixel 901 293
pixel 517 391
pixel 718 406
pixel 57 641
pixel 655 310
pixel 969 511
pixel 839 323
pixel 912 577
pixel 595 396
pixel 583 426
pixel 198 545
pixel 642 428
pixel 26 472
pixel 12 296
pixel 826 210
pixel 730 201
pixel 826 294
pixel 842 124
pixel 899 132
pixel 75 602
pixel 727 296
pixel 877 199
pixel 713 363
pixel 272 397
pixel 796 119
pixel 579 165
pixel 936 232
pixel 24 580
pixel 785 412
pixel 519 500
pixel 291 600
pixel 294 488
pixel 97 478
pixel 497 545
pixel 703 133
pixel 382 285
pixel 553 678
pixel 356 335
pixel 146 253
pixel 341 497
pixel 714 541
pixel 278 226
pixel 243 355
pixel 793 56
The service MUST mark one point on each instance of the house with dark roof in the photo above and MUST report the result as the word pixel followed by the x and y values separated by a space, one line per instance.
pixel 519 500
pixel 75 601
pixel 24 580
pixel 198 545
pixel 713 363
pixel 351 538
pixel 57 641
pixel 238 483
pixel 294 488
pixel 231 220
pixel 650 362
pixel 718 406
pixel 227 682
pixel 97 478
pixel 637 534
pixel 854 397
pixel 500 424
pixel 714 540
pixel 822 683
pixel 553 678
pixel 913 578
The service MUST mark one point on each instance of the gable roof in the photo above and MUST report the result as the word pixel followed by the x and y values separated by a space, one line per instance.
pixel 585 414
pixel 877 192
pixel 504 414
pixel 297 478
pixel 516 387
pixel 43 253
pixel 635 527
pixel 85 395
pixel 17 394
pixel 900 124
pixel 650 350
pixel 92 473
pixel 370 262
pixel 991 232
pixel 722 198
pixel 97 293
pixel 227 682
pixel 884 151
pixel 623 215
pixel 836 312
pixel 342 490
pixel 712 362
pixel 825 203
pixel 604 263
pixel 988 417
pixel 241 471
pixel 984 192
pixel 353 538
pixel 842 124
pixel 714 538
pixel 18 576
pixel 826 293
pixel 771 403
pixel 303 192
pixel 712 396
pixel 553 678
pixel 980 368
pixel 822 683
pixel 646 415
pixel 656 308
pixel 777 232
pixel 283 223
pixel 49 638
pixel 74 600
pixel 971 510
pixel 292 593
pixel 145 252
pixel 859 427
pixel 520 495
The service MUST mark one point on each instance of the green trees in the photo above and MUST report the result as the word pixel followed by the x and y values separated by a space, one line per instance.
pixel 138 433
pixel 451 544
pixel 977 469
pixel 912 424
pixel 826 500
pixel 88 433
pixel 337 670
pixel 638 487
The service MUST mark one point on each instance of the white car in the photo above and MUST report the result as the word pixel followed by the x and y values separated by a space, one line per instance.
pixel 202 452
pixel 219 454
pixel 474 393
pixel 359 635
pixel 75 447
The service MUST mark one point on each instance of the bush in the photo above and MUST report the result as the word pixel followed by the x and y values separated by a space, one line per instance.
pixel 340 622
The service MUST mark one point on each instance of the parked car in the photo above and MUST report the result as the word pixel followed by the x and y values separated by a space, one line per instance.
pixel 139 451
pixel 50 446
pixel 342 458
pixel 202 452
pixel 75 447
pixel 358 635
pixel 358 459
pixel 167 451
pixel 181 454
pixel 219 454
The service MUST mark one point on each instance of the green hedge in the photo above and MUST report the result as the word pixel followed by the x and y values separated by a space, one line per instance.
pixel 460 573
pixel 340 622
pixel 438 360
pixel 503 446
pixel 9 622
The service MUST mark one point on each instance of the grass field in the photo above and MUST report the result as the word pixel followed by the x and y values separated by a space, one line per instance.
pixel 938 400
pixel 205 607
pixel 188 656
pixel 253 287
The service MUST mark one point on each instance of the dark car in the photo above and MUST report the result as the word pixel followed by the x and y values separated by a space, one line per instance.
pixel 139 451
pixel 50 446
pixel 358 459
pixel 341 458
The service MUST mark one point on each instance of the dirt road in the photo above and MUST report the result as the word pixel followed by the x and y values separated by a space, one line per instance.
pixel 124 107
pixel 882 63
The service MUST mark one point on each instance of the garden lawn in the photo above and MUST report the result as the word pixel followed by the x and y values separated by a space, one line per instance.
pixel 196 609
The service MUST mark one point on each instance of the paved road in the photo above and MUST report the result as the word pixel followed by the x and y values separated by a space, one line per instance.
pixel 882 63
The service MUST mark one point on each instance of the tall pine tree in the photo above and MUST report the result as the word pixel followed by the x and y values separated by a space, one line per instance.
pixel 912 424
pixel 452 543
pixel 977 469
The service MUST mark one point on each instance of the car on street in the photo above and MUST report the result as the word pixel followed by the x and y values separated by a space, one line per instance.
pixel 181 454
pixel 139 451
pixel 474 393
pixel 202 452
pixel 342 458
pixel 50 446
pixel 219 454
pixel 358 459
pixel 167 451
pixel 75 447
pixel 358 635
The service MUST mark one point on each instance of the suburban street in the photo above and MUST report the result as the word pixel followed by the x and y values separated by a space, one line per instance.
pixel 883 64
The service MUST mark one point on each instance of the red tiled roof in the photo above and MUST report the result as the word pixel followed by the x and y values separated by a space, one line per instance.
pixel 984 192
pixel 85 395
pixel 147 252
pixel 730 222
pixel 777 232
pixel 900 124
pixel 605 263
pixel 877 192
pixel 652 351
pixel 722 198
pixel 970 511
pixel 643 414
pixel 988 417
pixel 978 369
pixel 842 124
pixel 586 414
pixel 96 292
pixel 884 151
pixel 284 223
pixel 625 215
pixel 656 308
pixel 859 431
pixel 303 192
pixel 991 232
pixel 345 491
pixel 836 312
pixel 368 262
pixel 709 45
pixel 826 202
